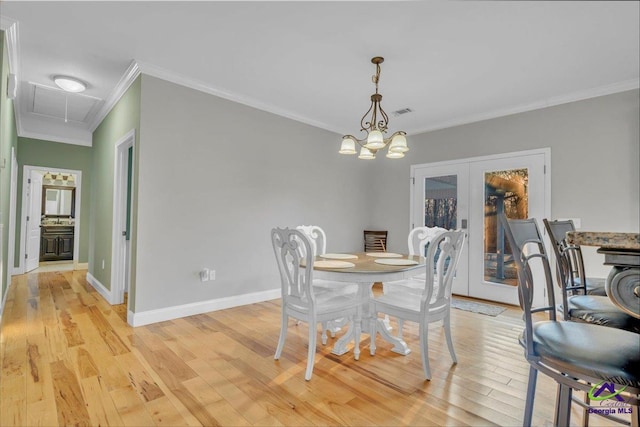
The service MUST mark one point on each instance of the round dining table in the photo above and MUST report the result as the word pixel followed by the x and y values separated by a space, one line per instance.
pixel 365 272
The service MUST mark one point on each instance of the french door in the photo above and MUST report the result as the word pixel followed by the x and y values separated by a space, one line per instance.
pixel 470 194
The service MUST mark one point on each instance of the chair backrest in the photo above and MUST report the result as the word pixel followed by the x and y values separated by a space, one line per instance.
pixel 420 237
pixel 375 241
pixel 527 248
pixel 317 238
pixel 292 249
pixel 442 257
pixel 569 262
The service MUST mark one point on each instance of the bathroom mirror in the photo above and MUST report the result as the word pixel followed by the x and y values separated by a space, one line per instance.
pixel 58 201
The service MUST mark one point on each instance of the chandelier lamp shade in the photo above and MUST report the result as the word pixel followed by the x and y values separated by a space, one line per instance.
pixel 375 122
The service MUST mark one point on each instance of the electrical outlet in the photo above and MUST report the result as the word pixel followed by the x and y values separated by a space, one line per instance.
pixel 204 274
pixel 212 275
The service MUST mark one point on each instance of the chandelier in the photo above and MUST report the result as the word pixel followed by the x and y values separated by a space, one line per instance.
pixel 375 127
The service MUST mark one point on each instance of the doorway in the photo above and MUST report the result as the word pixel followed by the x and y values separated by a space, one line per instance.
pixel 470 194
pixel 122 210
pixel 57 208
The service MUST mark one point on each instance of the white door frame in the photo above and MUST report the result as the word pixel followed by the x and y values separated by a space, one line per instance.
pixel 547 179
pixel 119 244
pixel 26 173
pixel 13 201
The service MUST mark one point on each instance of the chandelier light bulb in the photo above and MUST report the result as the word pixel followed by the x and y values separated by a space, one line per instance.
pixel 375 140
pixel 394 155
pixel 398 144
pixel 366 154
pixel 348 146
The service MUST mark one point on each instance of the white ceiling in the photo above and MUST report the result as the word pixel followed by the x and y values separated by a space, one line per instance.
pixel 450 62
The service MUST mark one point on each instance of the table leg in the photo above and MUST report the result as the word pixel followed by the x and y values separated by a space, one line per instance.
pixel 365 293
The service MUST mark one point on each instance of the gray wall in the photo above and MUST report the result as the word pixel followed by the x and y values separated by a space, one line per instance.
pixel 215 176
pixel 594 158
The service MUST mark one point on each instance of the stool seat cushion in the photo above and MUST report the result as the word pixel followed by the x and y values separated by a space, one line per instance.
pixel 595 285
pixel 600 310
pixel 608 354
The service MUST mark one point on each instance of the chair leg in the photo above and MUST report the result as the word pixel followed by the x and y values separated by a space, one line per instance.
pixel 447 333
pixel 373 331
pixel 531 394
pixel 635 416
pixel 283 335
pixel 563 406
pixel 357 332
pixel 424 348
pixel 311 355
pixel 323 334
pixel 585 410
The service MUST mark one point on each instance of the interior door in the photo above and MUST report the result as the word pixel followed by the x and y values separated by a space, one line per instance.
pixel 514 186
pixel 34 189
pixel 441 199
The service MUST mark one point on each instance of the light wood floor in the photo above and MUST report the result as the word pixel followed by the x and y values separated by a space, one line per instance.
pixel 69 358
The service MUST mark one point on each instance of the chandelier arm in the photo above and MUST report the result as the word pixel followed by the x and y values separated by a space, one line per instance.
pixel 368 125
pixel 382 124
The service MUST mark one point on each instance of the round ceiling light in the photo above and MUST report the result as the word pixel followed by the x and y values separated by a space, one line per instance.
pixel 69 84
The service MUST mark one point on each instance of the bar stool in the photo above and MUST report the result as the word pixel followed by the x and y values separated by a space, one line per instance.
pixel 577 305
pixel 578 356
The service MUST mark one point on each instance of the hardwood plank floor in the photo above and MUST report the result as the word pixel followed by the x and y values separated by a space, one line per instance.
pixel 69 358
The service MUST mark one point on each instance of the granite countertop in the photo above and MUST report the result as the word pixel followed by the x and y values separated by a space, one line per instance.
pixel 613 240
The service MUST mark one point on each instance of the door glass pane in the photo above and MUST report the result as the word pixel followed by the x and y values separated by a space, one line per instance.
pixel 441 201
pixel 504 191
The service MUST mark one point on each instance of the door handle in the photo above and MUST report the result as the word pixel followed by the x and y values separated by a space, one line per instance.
pixel 124 233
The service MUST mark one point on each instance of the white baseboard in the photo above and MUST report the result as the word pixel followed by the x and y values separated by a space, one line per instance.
pixel 80 265
pixel 175 312
pixel 106 293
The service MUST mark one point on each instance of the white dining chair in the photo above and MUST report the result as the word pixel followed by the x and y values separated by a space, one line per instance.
pixel 299 299
pixel 434 302
pixel 417 243
pixel 318 240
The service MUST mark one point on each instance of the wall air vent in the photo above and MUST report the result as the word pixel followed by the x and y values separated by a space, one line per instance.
pixel 402 111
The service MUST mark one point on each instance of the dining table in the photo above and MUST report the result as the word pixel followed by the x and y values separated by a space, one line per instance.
pixel 365 269
pixel 622 252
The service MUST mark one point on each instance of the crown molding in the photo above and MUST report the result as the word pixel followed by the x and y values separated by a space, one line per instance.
pixel 10 28
pixel 54 138
pixel 127 79
pixel 182 80
pixel 549 102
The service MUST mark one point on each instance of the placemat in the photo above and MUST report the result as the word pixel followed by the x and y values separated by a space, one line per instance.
pixel 334 264
pixel 396 262
pixel 339 256
pixel 384 255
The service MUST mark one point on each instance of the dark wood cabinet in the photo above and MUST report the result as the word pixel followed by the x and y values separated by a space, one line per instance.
pixel 56 243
